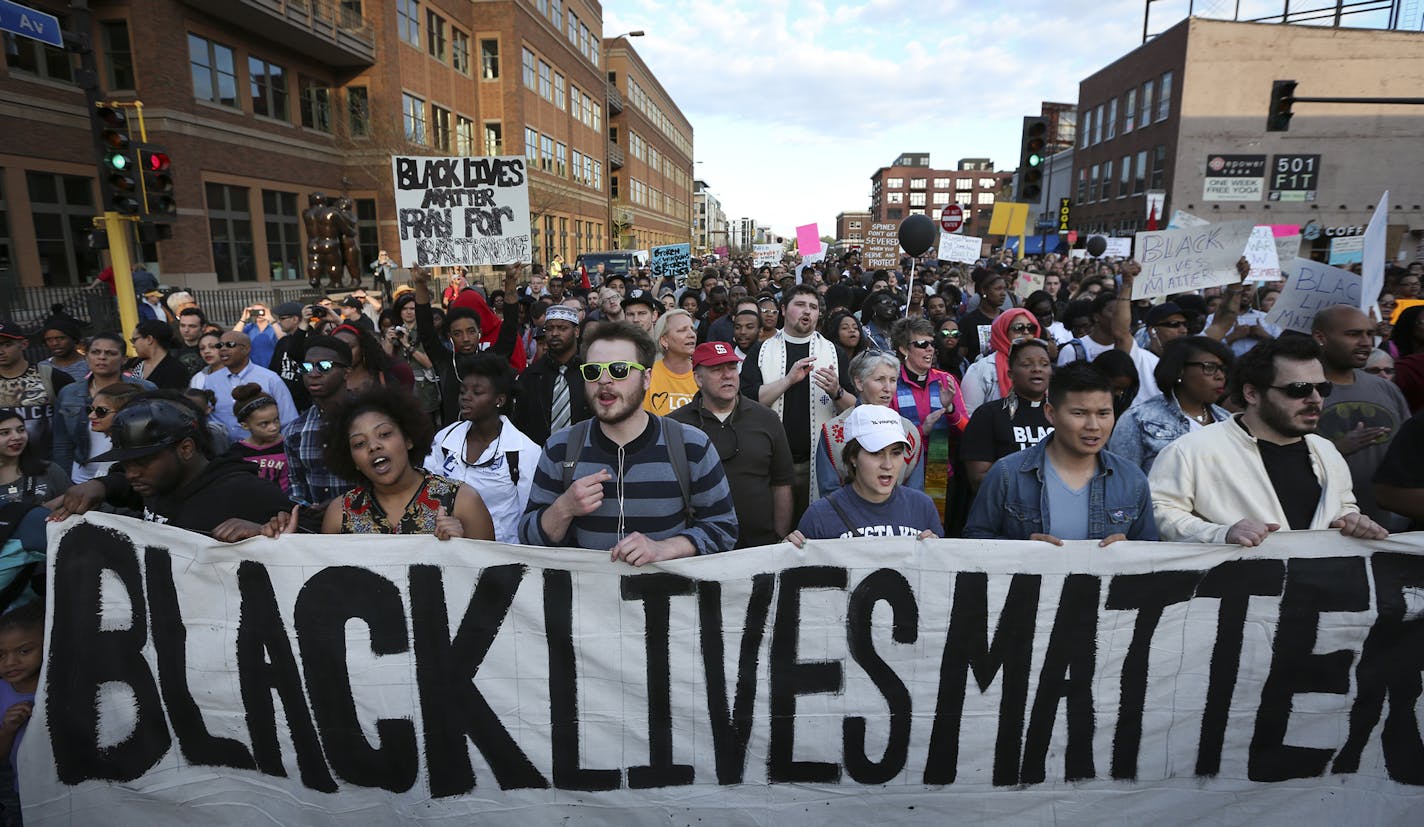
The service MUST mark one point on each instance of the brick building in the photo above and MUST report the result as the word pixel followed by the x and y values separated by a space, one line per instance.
pixel 263 102
pixel 910 186
pixel 851 226
pixel 1185 114
pixel 651 143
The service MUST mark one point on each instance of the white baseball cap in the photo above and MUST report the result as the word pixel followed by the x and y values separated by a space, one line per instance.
pixel 874 427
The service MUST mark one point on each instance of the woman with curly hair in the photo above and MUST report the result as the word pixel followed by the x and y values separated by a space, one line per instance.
pixel 381 438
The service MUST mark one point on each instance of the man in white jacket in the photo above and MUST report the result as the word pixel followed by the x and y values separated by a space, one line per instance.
pixel 1264 470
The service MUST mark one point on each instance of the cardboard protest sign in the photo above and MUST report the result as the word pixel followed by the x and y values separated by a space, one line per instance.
pixel 961 248
pixel 882 247
pixel 1117 247
pixel 808 240
pixel 1287 241
pixel 1310 288
pixel 1373 256
pixel 465 211
pixel 381 679
pixel 766 254
pixel 1261 253
pixel 673 260
pixel 1178 261
pixel 1026 283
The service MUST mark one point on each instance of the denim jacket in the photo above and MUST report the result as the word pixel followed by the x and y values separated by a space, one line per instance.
pixel 1145 429
pixel 1012 503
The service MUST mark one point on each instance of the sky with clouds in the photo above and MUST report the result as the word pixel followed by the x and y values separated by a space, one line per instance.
pixel 795 103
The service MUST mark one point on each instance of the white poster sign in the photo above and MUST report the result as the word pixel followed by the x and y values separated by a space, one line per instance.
pixel 1261 254
pixel 1182 219
pixel 1180 261
pixel 400 679
pixel 1117 247
pixel 962 248
pixel 766 254
pixel 1310 288
pixel 462 211
pixel 810 259
pixel 1372 265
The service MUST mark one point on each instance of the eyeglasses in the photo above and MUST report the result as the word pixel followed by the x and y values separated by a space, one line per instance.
pixel 949 334
pixel 1210 368
pixel 616 370
pixel 1177 325
pixel 1022 327
pixel 1380 370
pixel 98 410
pixel 230 345
pixel 922 344
pixel 1303 390
pixel 324 366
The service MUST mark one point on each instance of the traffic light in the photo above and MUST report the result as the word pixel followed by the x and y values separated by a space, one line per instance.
pixel 155 167
pixel 1033 154
pixel 116 174
pixel 1282 96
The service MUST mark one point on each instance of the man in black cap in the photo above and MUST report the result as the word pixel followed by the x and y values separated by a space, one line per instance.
pixel 61 337
pixel 164 465
pixel 641 309
pixel 287 355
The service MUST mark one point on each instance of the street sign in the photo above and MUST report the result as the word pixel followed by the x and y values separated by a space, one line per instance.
pixel 1294 178
pixel 26 22
pixel 951 218
pixel 1072 236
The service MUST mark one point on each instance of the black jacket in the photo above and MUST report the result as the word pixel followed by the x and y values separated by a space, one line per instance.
pixel 286 362
pixel 227 487
pixel 444 361
pixel 534 397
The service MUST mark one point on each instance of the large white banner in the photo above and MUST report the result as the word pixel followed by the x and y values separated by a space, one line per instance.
pixel 465 211
pixel 372 680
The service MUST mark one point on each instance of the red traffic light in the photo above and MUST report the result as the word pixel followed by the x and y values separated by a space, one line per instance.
pixel 155 161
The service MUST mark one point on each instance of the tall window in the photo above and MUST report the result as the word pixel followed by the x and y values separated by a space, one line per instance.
pixel 546 81
pixel 531 74
pixel 435 35
pixel 214 71
pixel 917 199
pixel 593 50
pixel 42 60
pixel 1094 183
pixel 577 168
pixel 268 85
pixel 1087 134
pixel 63 210
pixel 368 233
pixel 494 138
pixel 560 100
pixel 598 175
pixel 531 146
pixel 1139 183
pixel 358 111
pixel 1125 177
pixel 316 105
pixel 584 38
pixel 440 128
pixel 1146 104
pixel 1129 110
pixel 413 117
pixel 1164 97
pixel 118 55
pixel 1159 166
pixel 556 13
pixel 284 238
pixel 597 116
pixel 1112 119
pixel 546 153
pixel 1107 180
pixel 561 160
pixel 460 51
pixel 230 225
pixel 489 60
pixel 464 136
pixel 408 21
pixel 1098 125
pixel 573 28
pixel 1082 185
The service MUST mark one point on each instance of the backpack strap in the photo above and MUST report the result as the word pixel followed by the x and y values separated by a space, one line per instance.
pixel 578 435
pixel 845 518
pixel 47 377
pixel 677 455
pixel 1080 349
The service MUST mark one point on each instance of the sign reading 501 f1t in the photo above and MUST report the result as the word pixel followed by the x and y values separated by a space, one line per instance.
pixel 1294 177
pixel 465 211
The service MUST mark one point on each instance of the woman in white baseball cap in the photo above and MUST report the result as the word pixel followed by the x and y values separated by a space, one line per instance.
pixel 872 503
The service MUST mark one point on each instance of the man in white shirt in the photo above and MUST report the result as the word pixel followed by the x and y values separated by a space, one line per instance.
pixel 235 351
pixel 1112 327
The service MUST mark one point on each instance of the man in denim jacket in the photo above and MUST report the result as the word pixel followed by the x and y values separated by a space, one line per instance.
pixel 1067 487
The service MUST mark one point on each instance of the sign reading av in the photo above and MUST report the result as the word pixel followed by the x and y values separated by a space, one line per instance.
pixel 465 211
pixel 380 679
pixel 26 22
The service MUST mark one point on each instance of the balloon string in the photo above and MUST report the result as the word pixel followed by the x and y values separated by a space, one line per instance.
pixel 910 296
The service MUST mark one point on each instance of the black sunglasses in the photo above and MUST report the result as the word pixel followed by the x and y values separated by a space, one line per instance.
pixel 98 410
pixel 1303 390
pixel 323 366
pixel 1022 327
pixel 922 344
pixel 230 345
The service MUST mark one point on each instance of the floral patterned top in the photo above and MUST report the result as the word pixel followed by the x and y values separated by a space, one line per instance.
pixel 362 514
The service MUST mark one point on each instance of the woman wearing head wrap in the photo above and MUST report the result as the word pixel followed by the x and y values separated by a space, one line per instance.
pixel 988 378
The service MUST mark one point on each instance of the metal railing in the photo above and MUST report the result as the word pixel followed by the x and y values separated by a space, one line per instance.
pixel 96 310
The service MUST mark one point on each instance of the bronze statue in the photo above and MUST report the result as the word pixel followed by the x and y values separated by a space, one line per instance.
pixel 331 240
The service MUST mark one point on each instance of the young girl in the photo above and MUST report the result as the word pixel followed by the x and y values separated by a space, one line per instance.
pixel 257 412
pixel 21 653
pixel 25 476
pixel 206 401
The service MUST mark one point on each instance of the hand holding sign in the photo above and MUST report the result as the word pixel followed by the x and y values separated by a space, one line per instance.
pixel 1181 261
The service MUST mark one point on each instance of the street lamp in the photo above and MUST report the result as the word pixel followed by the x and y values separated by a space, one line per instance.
pixel 634 33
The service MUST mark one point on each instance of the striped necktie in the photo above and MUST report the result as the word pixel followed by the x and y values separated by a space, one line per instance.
pixel 560 418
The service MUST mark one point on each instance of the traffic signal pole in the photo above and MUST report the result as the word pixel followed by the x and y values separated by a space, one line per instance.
pixel 119 259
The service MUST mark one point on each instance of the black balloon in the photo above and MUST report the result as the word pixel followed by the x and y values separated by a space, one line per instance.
pixel 1096 245
pixel 917 234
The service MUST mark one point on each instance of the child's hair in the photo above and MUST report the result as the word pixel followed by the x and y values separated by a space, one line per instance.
pixel 249 399
pixel 29 617
pixel 202 396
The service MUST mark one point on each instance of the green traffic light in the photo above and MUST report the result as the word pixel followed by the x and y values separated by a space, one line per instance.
pixel 118 161
pixel 1035 160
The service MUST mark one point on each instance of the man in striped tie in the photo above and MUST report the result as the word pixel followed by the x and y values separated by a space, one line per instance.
pixel 549 395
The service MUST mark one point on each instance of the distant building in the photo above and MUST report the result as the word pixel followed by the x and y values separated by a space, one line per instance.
pixel 652 191
pixel 910 186
pixel 709 222
pixel 851 226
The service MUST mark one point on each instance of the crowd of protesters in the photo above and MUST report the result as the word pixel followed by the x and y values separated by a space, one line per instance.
pixel 742 407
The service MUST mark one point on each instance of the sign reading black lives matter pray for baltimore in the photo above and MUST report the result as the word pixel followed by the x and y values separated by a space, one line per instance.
pixel 465 211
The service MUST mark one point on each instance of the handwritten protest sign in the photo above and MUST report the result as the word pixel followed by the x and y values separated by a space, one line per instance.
pixel 1178 261
pixel 1287 241
pixel 399 679
pixel 1026 283
pixel 766 254
pixel 808 239
pixel 1117 247
pixel 1373 256
pixel 673 260
pixel 1310 288
pixel 1262 255
pixel 465 211
pixel 808 260
pixel 962 248
pixel 882 247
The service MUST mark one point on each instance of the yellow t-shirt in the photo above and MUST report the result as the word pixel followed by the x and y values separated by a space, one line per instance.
pixel 668 391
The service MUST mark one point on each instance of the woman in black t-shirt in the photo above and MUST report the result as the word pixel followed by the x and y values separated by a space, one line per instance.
pixel 1017 422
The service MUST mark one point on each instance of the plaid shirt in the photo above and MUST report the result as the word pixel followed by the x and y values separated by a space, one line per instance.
pixel 312 483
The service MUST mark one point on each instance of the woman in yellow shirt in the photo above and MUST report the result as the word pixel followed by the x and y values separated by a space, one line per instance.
pixel 671 384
